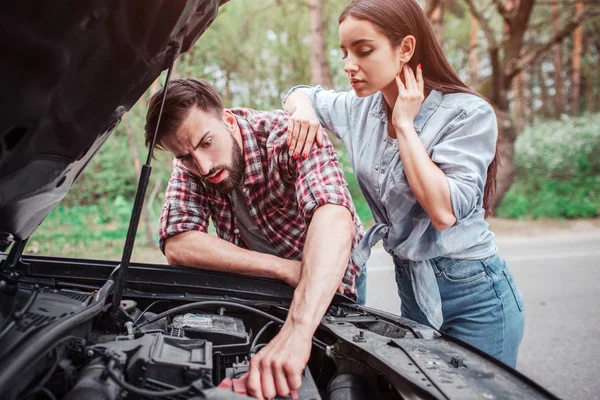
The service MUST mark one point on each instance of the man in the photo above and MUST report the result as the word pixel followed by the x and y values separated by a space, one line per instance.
pixel 276 215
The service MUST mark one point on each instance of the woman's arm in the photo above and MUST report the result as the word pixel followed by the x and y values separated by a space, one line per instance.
pixel 313 108
pixel 427 181
pixel 304 126
pixel 450 184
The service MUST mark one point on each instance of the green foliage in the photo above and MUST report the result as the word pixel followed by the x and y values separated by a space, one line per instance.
pixel 558 171
pixel 253 53
pixel 362 208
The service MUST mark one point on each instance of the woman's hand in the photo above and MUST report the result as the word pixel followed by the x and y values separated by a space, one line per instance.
pixel 410 97
pixel 303 129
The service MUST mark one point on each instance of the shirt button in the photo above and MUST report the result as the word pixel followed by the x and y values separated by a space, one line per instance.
pixel 377 168
pixel 236 231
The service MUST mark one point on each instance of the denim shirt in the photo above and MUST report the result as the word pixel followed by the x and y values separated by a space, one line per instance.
pixel 459 133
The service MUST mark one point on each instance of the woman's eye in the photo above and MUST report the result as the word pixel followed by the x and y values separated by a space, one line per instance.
pixel 207 143
pixel 365 53
pixel 344 56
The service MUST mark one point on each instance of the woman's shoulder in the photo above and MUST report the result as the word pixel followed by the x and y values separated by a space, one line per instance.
pixel 465 103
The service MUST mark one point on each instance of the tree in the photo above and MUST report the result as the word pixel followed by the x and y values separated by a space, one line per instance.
pixel 435 14
pixel 576 62
pixel 319 67
pixel 473 57
pixel 559 97
pixel 507 61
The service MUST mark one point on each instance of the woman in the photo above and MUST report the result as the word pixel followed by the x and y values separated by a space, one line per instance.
pixel 423 148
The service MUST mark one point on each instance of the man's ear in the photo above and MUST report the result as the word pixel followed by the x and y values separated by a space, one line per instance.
pixel 406 48
pixel 228 118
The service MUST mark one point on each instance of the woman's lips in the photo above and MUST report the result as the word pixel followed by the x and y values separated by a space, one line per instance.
pixel 356 83
pixel 218 177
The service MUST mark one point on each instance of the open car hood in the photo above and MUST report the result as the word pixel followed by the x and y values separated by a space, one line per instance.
pixel 70 70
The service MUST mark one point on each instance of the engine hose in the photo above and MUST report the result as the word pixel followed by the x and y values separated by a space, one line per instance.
pixel 348 387
pixel 91 386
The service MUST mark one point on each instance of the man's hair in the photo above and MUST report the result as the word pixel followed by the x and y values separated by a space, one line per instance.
pixel 182 95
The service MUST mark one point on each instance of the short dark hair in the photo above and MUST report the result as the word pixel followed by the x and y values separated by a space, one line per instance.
pixel 182 95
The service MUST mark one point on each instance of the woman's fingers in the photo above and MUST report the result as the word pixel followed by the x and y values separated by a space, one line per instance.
pixel 288 140
pixel 420 81
pixel 303 135
pixel 295 134
pixel 409 78
pixel 310 138
pixel 319 137
pixel 401 87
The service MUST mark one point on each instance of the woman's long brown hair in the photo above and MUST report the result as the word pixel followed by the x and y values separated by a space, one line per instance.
pixel 397 19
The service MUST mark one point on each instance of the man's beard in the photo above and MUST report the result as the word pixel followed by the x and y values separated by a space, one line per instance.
pixel 235 169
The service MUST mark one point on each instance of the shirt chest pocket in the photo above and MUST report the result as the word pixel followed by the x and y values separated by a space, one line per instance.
pixel 278 199
pixel 397 196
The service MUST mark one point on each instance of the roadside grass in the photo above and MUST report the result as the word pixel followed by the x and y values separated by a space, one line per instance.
pixel 85 232
pixel 558 171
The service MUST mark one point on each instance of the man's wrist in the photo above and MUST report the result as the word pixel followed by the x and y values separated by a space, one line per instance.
pixel 302 324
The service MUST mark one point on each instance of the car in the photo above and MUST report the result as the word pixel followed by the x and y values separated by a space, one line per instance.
pixel 96 329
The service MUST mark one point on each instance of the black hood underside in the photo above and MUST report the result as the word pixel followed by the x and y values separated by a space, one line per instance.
pixel 70 70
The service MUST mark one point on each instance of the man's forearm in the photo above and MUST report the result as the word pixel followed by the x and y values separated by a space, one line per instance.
pixel 325 259
pixel 201 250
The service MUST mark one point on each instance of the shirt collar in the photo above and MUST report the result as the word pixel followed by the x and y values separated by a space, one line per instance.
pixel 253 162
pixel 431 103
pixel 429 106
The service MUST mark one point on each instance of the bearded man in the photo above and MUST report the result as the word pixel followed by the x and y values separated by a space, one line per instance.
pixel 276 215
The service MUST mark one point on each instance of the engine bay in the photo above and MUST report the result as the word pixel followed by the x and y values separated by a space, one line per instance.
pixel 164 349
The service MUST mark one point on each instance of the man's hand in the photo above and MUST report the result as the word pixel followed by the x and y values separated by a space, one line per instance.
pixel 291 274
pixel 277 368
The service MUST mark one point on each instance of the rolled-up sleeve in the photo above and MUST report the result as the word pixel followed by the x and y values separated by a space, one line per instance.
pixel 333 108
pixel 320 180
pixel 186 206
pixel 465 151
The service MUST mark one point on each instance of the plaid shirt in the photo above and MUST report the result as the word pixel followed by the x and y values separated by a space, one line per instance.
pixel 281 193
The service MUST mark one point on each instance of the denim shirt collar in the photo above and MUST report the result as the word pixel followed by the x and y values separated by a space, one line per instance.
pixel 429 106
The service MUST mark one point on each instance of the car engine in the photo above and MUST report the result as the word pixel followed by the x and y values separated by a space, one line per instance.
pixel 171 355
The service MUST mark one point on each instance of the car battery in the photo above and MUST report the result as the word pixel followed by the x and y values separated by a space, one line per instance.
pixel 224 332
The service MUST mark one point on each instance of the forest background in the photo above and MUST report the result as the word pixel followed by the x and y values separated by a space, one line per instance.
pixel 535 60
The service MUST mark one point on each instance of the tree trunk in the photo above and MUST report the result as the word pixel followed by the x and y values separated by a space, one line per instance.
pixel 529 95
pixel 586 75
pixel 519 101
pixel 544 96
pixel 435 13
pixel 506 151
pixel 473 57
pixel 506 65
pixel 559 96
pixel 576 63
pixel 138 170
pixel 319 67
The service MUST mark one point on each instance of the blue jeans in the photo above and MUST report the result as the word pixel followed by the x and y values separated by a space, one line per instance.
pixel 361 287
pixel 481 303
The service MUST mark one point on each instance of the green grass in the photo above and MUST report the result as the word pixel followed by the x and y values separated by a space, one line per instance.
pixel 89 232
pixel 558 171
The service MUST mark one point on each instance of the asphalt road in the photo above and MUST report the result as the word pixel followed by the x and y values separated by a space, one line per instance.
pixel 561 290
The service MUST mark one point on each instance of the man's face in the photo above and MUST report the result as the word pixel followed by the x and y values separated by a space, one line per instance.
pixel 207 148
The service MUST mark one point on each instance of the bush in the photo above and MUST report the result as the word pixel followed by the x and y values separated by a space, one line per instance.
pixel 558 171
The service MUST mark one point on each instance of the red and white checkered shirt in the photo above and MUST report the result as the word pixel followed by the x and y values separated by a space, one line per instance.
pixel 282 193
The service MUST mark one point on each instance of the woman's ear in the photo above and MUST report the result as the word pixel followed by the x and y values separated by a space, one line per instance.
pixel 407 48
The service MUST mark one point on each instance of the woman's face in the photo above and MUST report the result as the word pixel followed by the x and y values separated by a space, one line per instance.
pixel 370 60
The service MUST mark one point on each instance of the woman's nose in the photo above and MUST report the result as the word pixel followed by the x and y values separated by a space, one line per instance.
pixel 350 66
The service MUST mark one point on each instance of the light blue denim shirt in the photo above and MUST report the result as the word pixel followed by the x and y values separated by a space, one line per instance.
pixel 459 133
